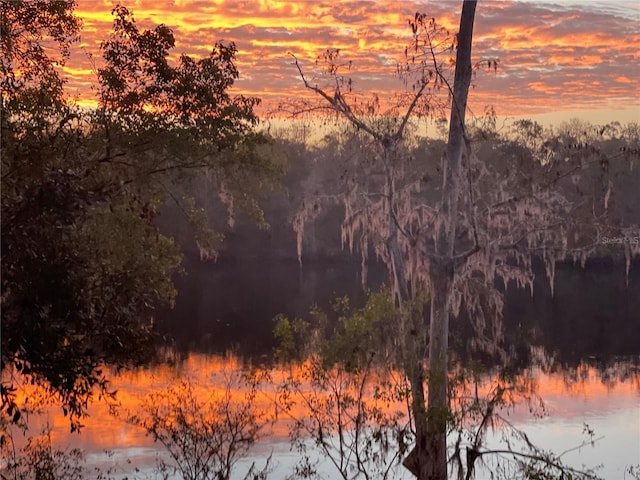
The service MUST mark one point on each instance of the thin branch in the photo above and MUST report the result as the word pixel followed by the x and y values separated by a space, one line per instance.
pixel 536 457
pixel 412 106
pixel 462 257
pixel 373 194
pixel 337 102
pixel 397 223
pixel 585 443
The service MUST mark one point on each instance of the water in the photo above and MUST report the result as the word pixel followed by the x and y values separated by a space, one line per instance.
pixel 584 366
pixel 609 404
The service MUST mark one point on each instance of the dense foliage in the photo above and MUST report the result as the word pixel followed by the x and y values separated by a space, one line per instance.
pixel 83 262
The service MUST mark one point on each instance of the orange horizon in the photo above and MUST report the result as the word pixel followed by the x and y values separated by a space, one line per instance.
pixel 556 61
pixel 564 395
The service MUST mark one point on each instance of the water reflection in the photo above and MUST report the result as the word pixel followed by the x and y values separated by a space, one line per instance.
pixel 606 397
pixel 221 307
pixel 229 308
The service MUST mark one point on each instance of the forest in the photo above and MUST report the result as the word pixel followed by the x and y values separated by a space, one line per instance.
pixel 448 221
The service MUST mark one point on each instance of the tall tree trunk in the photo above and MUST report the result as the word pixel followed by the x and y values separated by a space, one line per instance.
pixel 428 460
pixel 441 274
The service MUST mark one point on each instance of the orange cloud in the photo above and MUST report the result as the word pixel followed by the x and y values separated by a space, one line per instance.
pixel 542 48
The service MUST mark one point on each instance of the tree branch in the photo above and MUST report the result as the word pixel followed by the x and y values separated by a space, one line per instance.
pixel 412 106
pixel 337 102
pixel 535 457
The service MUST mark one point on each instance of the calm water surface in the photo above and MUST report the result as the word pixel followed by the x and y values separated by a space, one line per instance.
pixel 592 378
pixel 608 402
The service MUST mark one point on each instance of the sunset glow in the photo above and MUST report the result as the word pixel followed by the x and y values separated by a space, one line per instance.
pixel 567 394
pixel 554 58
pixel 310 238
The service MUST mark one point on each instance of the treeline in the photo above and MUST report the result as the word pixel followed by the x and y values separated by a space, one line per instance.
pixel 319 167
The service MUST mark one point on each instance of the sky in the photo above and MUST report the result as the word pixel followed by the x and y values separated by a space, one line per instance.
pixel 557 59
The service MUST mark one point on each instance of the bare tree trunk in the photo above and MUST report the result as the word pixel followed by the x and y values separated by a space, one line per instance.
pixel 428 460
pixel 438 405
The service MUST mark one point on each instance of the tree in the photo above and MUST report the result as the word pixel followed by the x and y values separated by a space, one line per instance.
pixel 433 455
pixel 39 459
pixel 31 83
pixel 189 116
pixel 341 395
pixel 83 263
pixel 463 242
pixel 205 437
pixel 44 314
pixel 428 459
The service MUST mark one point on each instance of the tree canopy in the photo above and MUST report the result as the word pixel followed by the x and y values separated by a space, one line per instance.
pixel 84 264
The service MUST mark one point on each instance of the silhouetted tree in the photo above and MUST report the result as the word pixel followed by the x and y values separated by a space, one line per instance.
pixel 83 262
